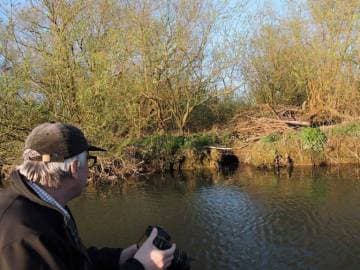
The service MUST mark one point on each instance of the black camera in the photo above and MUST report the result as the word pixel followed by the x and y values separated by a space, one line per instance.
pixel 162 241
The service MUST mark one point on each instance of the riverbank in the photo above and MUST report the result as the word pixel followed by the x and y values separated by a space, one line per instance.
pixel 149 155
pixel 327 145
pixel 216 150
pixel 307 146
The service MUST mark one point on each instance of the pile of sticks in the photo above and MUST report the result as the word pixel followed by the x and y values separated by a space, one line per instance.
pixel 261 121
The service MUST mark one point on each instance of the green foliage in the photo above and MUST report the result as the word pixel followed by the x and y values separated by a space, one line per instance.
pixel 126 72
pixel 159 145
pixel 276 71
pixel 294 59
pixel 168 145
pixel 313 139
pixel 271 138
pixel 201 118
pixel 116 73
pixel 198 141
pixel 217 112
pixel 163 150
pixel 291 136
pixel 225 109
pixel 349 129
pixel 19 112
pixel 226 138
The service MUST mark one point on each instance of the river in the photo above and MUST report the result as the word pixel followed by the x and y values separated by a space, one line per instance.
pixel 247 220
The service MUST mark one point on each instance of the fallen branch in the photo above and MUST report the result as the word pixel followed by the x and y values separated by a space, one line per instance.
pixel 297 123
pixel 218 148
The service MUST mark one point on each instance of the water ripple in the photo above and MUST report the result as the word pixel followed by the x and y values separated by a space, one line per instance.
pixel 251 221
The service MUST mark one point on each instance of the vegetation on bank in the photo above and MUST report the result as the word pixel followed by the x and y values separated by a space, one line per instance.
pixel 161 153
pixel 166 152
pixel 313 146
pixel 151 79
pixel 329 145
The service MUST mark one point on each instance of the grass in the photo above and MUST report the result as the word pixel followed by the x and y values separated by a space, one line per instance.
pixel 167 149
pixel 170 145
pixel 306 146
pixel 347 129
pixel 197 142
pixel 271 138
pixel 313 139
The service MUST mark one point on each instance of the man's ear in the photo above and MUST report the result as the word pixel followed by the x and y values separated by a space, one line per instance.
pixel 74 167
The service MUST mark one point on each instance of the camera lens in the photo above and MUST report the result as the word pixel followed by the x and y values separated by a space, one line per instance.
pixel 162 241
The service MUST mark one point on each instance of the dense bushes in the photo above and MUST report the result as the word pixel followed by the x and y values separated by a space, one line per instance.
pixel 122 72
pixel 163 152
pixel 313 139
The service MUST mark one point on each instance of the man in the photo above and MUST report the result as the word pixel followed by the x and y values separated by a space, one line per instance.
pixel 37 230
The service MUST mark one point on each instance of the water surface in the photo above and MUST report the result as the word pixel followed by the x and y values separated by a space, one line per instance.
pixel 249 220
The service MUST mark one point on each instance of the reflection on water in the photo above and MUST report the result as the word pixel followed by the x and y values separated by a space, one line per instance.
pixel 248 220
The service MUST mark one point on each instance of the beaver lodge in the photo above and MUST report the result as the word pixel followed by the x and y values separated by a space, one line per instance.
pixel 267 136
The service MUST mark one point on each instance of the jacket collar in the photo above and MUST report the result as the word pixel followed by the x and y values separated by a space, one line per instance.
pixel 18 185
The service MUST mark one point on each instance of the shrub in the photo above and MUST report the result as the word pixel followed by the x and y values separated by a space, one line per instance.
pixel 271 138
pixel 313 139
pixel 167 146
pixel 159 144
pixel 199 141
pixel 349 129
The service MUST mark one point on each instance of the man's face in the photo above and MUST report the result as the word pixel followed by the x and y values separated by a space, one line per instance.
pixel 80 175
pixel 84 173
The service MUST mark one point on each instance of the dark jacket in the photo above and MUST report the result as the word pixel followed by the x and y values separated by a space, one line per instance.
pixel 33 235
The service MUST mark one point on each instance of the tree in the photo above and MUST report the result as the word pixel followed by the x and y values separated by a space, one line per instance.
pixel 310 57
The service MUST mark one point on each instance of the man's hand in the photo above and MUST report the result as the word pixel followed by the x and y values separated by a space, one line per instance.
pixel 127 253
pixel 153 258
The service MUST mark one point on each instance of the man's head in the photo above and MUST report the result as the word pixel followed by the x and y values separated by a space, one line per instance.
pixel 55 151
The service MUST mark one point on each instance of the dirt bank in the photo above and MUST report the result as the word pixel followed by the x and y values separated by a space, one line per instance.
pixel 330 145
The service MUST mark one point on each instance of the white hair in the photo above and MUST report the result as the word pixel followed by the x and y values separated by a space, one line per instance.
pixel 48 174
